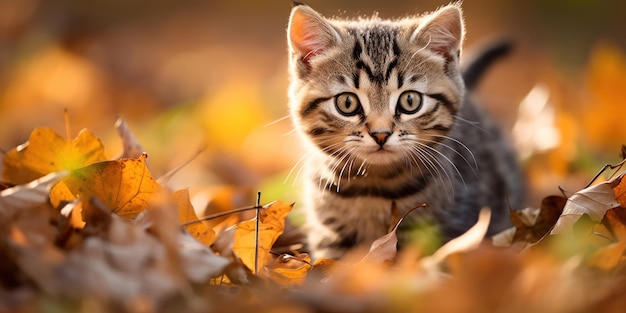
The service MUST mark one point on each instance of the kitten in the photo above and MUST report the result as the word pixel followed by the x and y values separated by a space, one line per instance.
pixel 383 107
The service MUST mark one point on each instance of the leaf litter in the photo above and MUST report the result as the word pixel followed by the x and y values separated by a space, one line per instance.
pixel 92 234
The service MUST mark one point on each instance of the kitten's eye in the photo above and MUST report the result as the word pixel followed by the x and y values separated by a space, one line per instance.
pixel 409 102
pixel 348 104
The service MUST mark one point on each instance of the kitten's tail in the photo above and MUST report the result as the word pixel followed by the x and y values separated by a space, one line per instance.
pixel 476 67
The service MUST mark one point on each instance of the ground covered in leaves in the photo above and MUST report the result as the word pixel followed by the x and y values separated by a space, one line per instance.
pixel 80 232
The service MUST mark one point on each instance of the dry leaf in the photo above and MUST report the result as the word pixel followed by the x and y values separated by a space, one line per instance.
pixel 271 224
pixel 469 240
pixel 593 201
pixel 132 147
pixel 533 224
pixel 620 193
pixel 124 186
pixel 201 230
pixel 289 270
pixel 21 197
pixel 46 152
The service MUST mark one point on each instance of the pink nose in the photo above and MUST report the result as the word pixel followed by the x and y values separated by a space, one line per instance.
pixel 380 137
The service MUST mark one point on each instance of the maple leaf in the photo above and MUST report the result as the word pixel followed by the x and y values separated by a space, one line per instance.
pixel 271 225
pixel 124 186
pixel 200 230
pixel 46 152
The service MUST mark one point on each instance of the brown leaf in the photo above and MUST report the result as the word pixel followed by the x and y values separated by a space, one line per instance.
pixel 132 147
pixel 593 201
pixel 532 225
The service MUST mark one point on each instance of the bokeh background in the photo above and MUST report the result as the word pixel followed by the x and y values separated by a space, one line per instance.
pixel 188 74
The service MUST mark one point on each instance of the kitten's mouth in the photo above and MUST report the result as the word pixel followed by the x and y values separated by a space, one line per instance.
pixel 381 155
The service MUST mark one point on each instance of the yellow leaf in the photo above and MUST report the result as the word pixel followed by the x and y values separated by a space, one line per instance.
pixel 200 230
pixel 46 152
pixel 124 186
pixel 271 225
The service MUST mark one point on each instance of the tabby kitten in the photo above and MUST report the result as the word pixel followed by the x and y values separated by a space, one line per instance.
pixel 383 107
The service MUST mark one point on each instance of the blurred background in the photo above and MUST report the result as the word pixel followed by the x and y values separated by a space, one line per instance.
pixel 188 74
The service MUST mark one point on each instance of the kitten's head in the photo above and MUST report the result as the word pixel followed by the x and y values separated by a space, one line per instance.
pixel 373 89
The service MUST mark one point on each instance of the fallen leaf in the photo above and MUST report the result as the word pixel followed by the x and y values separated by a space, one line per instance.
pixel 28 195
pixel 124 186
pixel 289 270
pixel 132 147
pixel 620 193
pixel 46 152
pixel 471 239
pixel 616 220
pixel 533 224
pixel 271 225
pixel 609 257
pixel 198 261
pixel 201 230
pixel 593 201
pixel 385 247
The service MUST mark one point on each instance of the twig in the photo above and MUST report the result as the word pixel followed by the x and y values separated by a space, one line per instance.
pixel 68 132
pixel 617 166
pixel 221 214
pixel 256 234
pixel 167 176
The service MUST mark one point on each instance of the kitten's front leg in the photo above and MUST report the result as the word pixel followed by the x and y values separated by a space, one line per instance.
pixel 325 244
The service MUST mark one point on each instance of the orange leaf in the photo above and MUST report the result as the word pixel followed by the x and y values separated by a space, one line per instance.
pixel 201 230
pixel 46 152
pixel 620 193
pixel 124 186
pixel 290 270
pixel 271 225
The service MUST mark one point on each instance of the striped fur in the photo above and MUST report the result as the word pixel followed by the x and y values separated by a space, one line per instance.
pixel 355 98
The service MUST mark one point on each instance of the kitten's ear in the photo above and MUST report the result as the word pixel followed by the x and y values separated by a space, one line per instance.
pixel 442 31
pixel 309 33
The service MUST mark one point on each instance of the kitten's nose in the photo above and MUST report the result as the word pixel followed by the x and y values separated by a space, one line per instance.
pixel 380 137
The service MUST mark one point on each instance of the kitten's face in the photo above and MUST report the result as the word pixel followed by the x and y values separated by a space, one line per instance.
pixel 377 91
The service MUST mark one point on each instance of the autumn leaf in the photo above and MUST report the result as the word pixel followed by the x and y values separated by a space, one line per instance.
pixel 124 186
pixel 132 147
pixel 533 224
pixel 271 225
pixel 620 193
pixel 593 201
pixel 28 195
pixel 385 247
pixel 46 152
pixel 289 270
pixel 201 230
pixel 469 240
